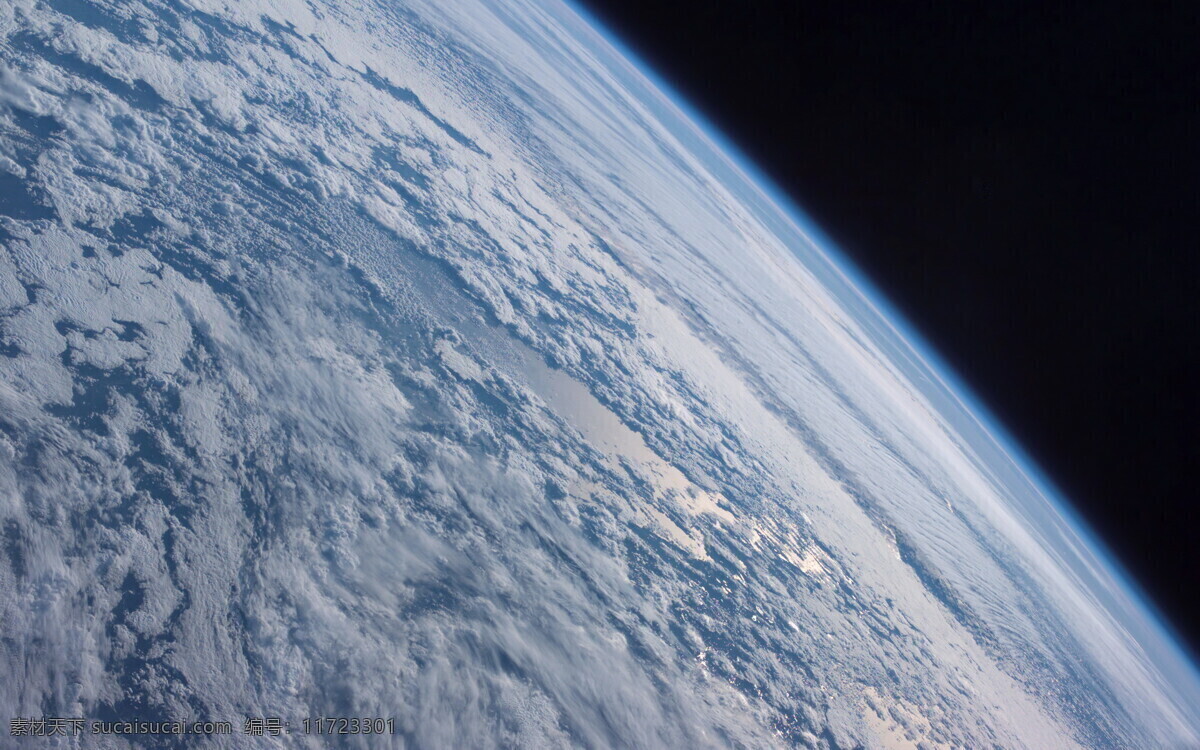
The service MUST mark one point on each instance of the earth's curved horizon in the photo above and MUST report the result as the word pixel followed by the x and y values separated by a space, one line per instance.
pixel 432 362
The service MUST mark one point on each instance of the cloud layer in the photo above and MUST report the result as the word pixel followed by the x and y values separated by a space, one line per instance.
pixel 425 362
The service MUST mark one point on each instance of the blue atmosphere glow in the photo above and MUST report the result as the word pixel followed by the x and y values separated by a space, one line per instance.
pixel 890 316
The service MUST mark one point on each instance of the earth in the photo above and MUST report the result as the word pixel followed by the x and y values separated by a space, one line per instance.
pixel 431 363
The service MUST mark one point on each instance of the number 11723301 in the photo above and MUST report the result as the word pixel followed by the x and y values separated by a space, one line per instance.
pixel 349 725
